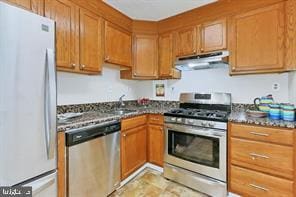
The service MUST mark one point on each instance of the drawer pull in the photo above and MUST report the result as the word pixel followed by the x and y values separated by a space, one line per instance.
pixel 259 187
pixel 259 134
pixel 254 155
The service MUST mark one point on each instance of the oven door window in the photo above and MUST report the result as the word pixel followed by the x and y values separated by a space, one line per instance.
pixel 195 148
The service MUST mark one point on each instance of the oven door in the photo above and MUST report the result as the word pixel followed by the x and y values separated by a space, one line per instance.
pixel 197 149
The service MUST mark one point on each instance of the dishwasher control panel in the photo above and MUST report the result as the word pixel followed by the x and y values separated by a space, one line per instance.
pixel 80 135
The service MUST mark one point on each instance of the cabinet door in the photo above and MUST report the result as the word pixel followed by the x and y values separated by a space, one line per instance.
pixel 186 41
pixel 166 56
pixel 213 36
pixel 35 6
pixel 155 144
pixel 133 150
pixel 90 41
pixel 257 40
pixel 145 55
pixel 64 13
pixel 118 45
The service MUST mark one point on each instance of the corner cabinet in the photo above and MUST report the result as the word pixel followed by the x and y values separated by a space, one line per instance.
pixel 156 139
pixel 145 50
pixel 78 37
pixel 35 6
pixel 133 144
pixel 256 40
pixel 118 45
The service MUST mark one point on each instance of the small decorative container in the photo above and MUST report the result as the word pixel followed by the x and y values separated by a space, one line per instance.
pixel 288 112
pixel 275 111
pixel 282 110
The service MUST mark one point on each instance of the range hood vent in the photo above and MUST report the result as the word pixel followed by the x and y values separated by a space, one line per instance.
pixel 202 61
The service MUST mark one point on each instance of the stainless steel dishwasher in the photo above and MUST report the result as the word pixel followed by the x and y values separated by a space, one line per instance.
pixel 93 160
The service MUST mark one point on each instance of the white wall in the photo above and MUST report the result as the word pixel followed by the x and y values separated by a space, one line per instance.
pixel 76 88
pixel 243 88
pixel 292 87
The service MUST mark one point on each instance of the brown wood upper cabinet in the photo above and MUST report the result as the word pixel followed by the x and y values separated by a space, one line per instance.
pixel 257 40
pixel 118 45
pixel 145 50
pixel 186 41
pixel 166 55
pixel 90 41
pixel 78 37
pixel 213 36
pixel 35 6
pixel 207 37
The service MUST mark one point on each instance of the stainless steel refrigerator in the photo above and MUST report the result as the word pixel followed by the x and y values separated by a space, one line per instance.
pixel 27 101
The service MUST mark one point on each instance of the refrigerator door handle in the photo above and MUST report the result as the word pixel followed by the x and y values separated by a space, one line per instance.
pixel 50 103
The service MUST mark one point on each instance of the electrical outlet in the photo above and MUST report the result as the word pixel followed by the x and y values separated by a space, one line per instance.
pixel 276 87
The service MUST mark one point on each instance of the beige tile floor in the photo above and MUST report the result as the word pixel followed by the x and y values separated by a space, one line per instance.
pixel 150 183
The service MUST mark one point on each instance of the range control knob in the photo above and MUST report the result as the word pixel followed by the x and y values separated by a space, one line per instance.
pixel 190 121
pixel 179 119
pixel 211 124
pixel 173 119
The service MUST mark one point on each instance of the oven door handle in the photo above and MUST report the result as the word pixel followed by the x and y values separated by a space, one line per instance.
pixel 214 133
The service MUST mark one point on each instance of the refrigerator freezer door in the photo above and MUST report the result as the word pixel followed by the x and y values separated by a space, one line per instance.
pixel 27 95
pixel 45 186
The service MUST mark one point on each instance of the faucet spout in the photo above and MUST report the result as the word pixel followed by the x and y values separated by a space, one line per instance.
pixel 121 104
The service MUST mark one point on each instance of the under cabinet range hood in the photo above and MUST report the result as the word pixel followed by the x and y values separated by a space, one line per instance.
pixel 202 61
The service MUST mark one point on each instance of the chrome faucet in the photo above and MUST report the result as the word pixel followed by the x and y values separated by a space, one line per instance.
pixel 121 104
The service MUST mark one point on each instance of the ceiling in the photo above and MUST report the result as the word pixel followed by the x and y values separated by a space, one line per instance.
pixel 155 10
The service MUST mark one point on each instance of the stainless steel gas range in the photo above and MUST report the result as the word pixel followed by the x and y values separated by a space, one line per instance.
pixel 196 142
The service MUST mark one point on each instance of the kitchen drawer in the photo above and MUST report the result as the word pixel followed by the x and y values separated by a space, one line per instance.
pixel 251 183
pixel 133 122
pixel 265 134
pixel 156 119
pixel 265 157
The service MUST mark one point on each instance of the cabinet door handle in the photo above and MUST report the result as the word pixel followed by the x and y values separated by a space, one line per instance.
pixel 124 135
pixel 259 187
pixel 82 67
pixel 254 155
pixel 73 65
pixel 259 134
pixel 107 58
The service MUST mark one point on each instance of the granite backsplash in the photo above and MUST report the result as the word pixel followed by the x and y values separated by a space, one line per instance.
pixel 107 106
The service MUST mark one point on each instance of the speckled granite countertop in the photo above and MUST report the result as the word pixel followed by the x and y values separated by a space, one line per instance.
pixel 97 117
pixel 242 117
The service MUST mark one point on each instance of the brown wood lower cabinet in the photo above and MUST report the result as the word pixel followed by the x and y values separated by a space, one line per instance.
pixel 133 149
pixel 155 139
pixel 142 140
pixel 258 164
pixel 252 183
pixel 155 144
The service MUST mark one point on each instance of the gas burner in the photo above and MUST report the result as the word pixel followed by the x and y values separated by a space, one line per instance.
pixel 199 114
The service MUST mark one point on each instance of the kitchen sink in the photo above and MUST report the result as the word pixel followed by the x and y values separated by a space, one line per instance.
pixel 122 111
